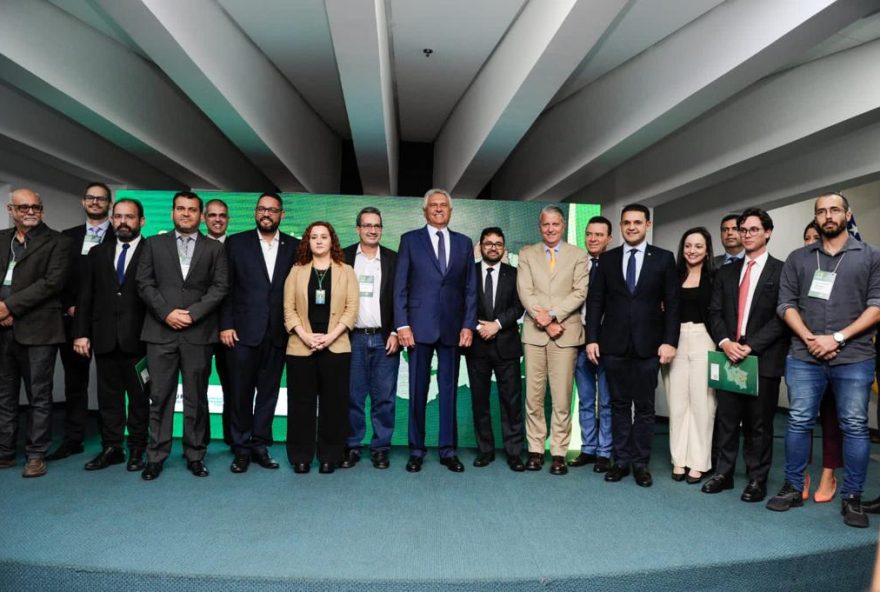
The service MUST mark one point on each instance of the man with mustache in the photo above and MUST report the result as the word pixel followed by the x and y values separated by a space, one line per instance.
pixel 110 314
pixel 252 330
pixel 829 296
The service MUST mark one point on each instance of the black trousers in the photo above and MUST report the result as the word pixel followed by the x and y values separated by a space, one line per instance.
pixel 756 415
pixel 632 382
pixel 76 392
pixel 35 366
pixel 222 366
pixel 116 376
pixel 509 381
pixel 317 405
pixel 193 363
pixel 250 418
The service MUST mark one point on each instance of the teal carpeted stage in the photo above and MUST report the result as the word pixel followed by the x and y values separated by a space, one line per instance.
pixel 365 529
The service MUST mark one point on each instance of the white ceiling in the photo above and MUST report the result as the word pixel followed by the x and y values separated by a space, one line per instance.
pixel 536 99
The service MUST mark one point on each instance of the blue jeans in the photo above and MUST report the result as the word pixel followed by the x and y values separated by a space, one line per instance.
pixel 373 373
pixel 595 439
pixel 851 385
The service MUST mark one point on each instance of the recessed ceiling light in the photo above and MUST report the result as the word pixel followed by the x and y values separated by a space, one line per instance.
pixel 427 51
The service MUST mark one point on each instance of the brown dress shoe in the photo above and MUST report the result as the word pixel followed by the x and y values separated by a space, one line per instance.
pixel 7 463
pixel 535 462
pixel 35 467
pixel 558 467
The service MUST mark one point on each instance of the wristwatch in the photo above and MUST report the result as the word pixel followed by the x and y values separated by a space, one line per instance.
pixel 839 338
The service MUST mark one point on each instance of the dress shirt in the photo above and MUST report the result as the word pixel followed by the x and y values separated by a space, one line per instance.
pixel 133 243
pixel 94 235
pixel 219 239
pixel 496 270
pixel 369 311
pixel 757 268
pixel 728 258
pixel 435 242
pixel 640 257
pixel 270 251
pixel 184 264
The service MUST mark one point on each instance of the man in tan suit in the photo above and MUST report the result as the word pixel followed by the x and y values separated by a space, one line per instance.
pixel 552 285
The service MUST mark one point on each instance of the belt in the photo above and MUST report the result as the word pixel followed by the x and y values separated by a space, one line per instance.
pixel 368 330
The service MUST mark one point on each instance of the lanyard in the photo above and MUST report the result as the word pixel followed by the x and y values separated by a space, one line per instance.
pixel 819 267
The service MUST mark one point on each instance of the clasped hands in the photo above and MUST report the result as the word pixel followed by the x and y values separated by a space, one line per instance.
pixel 406 338
pixel 735 352
pixel 178 319
pixel 543 320
pixel 823 347
pixel 5 315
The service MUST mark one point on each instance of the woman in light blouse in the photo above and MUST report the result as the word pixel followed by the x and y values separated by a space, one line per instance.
pixel 320 308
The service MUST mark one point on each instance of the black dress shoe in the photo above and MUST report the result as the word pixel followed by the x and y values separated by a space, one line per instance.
pixel 109 456
pixel 483 459
pixel 350 458
pixel 616 473
pixel 557 467
pixel 325 468
pixel 535 462
pixel 853 513
pixel 380 459
pixel 678 476
pixel 871 507
pixel 197 468
pixel 64 450
pixel 452 463
pixel 151 471
pixel 582 459
pixel 691 480
pixel 787 498
pixel 414 464
pixel 755 491
pixel 717 484
pixel 301 468
pixel 642 477
pixel 516 464
pixel 240 463
pixel 264 460
pixel 135 460
pixel 603 463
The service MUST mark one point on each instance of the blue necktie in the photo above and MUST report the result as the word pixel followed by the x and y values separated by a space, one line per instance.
pixel 728 259
pixel 594 267
pixel 631 272
pixel 441 252
pixel 120 263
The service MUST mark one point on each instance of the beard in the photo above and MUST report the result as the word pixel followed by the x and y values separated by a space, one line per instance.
pixel 126 234
pixel 832 232
pixel 270 228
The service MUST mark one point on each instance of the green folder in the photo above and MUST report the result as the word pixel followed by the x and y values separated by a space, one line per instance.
pixel 739 378
pixel 143 373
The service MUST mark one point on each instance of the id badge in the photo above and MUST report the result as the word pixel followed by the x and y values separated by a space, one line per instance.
pixel 320 296
pixel 90 241
pixel 7 279
pixel 823 283
pixel 366 283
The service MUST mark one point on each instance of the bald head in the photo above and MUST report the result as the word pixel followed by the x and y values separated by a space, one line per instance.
pixel 25 208
pixel 24 194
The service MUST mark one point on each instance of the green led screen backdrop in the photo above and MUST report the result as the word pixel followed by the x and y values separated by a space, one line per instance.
pixel 519 220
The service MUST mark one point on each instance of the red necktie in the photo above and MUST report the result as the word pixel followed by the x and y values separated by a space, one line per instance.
pixel 743 297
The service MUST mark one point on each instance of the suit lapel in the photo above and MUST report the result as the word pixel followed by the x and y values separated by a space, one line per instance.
pixel 198 249
pixel 36 241
pixel 171 246
pixel 133 259
pixel 429 246
pixel 385 266
pixel 647 266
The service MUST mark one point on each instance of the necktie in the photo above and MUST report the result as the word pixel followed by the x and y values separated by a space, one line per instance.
pixel 488 294
pixel 631 272
pixel 120 263
pixel 552 260
pixel 594 267
pixel 728 259
pixel 183 246
pixel 441 252
pixel 743 296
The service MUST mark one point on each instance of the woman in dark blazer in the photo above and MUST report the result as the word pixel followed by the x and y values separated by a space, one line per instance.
pixel 320 308
pixel 691 401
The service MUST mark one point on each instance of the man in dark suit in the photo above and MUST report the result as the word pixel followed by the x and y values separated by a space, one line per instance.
pixel 252 330
pixel 633 324
pixel 182 277
pixel 731 241
pixel 496 348
pixel 375 360
pixel 743 322
pixel 83 237
pixel 35 267
pixel 435 309
pixel 110 314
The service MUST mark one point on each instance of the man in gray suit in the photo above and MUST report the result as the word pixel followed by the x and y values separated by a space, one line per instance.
pixel 182 277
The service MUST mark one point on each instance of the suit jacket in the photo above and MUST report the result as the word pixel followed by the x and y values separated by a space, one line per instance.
pixel 507 310
pixel 37 282
pixel 254 306
pixel 766 333
pixel 435 306
pixel 634 324
pixel 163 288
pixel 388 264
pixel 109 314
pixel 344 301
pixel 78 262
pixel 562 291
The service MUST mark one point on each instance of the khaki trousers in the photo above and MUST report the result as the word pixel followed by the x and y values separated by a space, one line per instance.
pixel 554 364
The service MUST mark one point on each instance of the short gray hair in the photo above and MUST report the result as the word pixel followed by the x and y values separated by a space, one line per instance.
pixel 552 209
pixel 431 192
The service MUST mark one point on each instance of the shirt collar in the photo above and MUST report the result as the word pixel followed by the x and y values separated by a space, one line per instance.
pixel 852 244
pixel 554 249
pixel 275 239
pixel 641 247
pixel 178 234
pixel 103 226
pixel 378 256
pixel 760 260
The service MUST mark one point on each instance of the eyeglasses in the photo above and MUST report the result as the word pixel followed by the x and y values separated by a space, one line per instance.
pixel 753 231
pixel 24 208
pixel 832 211
pixel 96 198
pixel 370 226
pixel 264 210
pixel 488 245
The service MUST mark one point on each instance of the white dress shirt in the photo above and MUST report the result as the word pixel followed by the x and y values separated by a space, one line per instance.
pixel 369 275
pixel 435 242
pixel 640 257
pixel 270 252
pixel 132 245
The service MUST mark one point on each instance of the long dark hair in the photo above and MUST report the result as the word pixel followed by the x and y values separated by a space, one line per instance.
pixel 304 253
pixel 708 262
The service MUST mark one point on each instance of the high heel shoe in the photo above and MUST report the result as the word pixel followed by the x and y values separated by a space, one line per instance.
pixel 821 497
pixel 691 480
pixel 805 495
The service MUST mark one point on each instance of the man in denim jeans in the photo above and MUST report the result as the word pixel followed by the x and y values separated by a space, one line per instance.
pixel 830 298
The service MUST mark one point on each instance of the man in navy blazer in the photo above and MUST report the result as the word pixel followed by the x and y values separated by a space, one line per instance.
pixel 252 329
pixel 633 323
pixel 435 309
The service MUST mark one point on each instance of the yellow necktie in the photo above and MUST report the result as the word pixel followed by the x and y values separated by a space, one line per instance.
pixel 552 260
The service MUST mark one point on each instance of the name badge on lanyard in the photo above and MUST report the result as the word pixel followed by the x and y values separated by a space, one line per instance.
pixel 320 292
pixel 366 284
pixel 90 241
pixel 823 281
pixel 7 279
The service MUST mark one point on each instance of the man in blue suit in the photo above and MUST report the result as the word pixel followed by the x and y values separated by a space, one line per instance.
pixel 435 309
pixel 252 329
